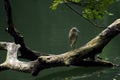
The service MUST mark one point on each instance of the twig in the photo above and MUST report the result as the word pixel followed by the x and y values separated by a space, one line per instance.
pixel 90 21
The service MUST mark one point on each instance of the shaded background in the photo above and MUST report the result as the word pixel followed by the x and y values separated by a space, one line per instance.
pixel 47 31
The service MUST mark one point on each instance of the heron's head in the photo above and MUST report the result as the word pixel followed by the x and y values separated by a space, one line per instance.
pixel 74 29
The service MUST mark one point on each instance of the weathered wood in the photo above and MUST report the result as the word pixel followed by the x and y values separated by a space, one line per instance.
pixel 80 56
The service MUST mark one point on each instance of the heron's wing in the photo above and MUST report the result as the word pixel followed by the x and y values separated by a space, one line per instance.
pixel 73 39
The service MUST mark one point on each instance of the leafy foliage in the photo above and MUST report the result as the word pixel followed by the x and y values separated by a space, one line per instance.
pixel 91 9
pixel 97 8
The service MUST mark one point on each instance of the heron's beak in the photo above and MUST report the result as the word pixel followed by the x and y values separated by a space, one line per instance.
pixel 78 31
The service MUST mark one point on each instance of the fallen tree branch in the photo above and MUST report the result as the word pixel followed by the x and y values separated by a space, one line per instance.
pixel 41 63
pixel 78 57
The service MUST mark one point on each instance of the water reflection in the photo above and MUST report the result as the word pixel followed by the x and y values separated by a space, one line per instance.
pixel 84 73
pixel 87 73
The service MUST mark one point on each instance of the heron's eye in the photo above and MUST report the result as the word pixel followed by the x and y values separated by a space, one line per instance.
pixel 74 30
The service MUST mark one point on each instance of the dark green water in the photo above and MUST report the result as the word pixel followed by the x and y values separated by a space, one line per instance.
pixel 47 31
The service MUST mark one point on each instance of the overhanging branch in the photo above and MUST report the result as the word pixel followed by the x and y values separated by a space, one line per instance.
pixel 18 38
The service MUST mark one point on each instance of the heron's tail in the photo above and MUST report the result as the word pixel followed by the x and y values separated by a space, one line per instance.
pixel 71 45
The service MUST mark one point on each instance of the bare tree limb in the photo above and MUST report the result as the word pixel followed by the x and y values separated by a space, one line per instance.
pixel 78 57
pixel 18 38
pixel 42 62
pixel 11 61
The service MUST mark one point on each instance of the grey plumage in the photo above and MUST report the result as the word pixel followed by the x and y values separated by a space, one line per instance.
pixel 73 35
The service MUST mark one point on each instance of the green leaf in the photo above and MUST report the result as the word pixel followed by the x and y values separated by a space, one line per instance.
pixel 76 1
pixel 55 4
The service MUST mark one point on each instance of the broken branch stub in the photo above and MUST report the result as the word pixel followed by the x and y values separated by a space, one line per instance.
pixel 12 62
